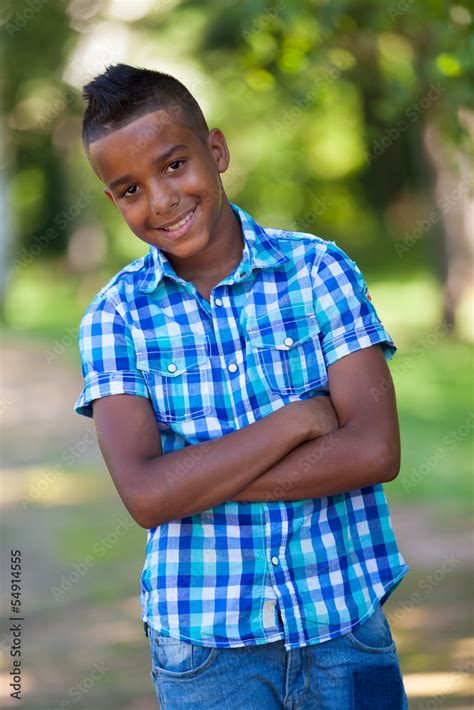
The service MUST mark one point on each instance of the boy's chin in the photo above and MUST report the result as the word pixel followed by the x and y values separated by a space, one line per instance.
pixel 185 247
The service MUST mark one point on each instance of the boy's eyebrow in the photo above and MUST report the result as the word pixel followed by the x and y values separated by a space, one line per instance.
pixel 167 154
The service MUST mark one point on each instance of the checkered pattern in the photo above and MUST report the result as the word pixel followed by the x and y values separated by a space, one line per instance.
pixel 295 304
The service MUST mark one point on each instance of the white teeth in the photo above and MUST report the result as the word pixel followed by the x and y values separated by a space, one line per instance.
pixel 178 225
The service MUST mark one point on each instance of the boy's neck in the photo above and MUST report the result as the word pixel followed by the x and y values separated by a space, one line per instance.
pixel 221 256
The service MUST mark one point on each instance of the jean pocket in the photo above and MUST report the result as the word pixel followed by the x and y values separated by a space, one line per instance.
pixel 178 376
pixel 180 659
pixel 288 350
pixel 373 635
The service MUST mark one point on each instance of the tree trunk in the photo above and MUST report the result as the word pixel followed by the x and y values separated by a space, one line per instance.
pixel 455 200
pixel 5 219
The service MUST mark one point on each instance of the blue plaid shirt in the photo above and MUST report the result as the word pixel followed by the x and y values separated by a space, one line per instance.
pixel 246 573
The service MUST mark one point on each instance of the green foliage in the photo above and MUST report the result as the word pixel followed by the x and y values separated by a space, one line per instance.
pixel 316 98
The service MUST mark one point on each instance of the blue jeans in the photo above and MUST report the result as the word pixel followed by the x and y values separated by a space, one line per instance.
pixel 357 671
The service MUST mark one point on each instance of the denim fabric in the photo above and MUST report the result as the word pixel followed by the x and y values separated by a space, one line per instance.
pixel 357 671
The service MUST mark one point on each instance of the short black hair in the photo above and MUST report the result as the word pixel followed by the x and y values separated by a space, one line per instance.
pixel 124 93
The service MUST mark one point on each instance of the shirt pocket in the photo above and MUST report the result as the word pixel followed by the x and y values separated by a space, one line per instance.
pixel 288 349
pixel 177 374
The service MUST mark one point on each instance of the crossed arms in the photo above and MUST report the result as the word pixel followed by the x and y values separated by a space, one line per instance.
pixel 307 449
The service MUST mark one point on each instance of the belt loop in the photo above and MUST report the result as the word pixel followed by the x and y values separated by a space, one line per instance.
pixel 145 628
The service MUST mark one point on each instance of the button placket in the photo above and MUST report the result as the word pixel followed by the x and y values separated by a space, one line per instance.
pixel 273 533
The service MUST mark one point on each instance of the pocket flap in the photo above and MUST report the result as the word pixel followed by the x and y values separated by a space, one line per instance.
pixel 172 358
pixel 281 330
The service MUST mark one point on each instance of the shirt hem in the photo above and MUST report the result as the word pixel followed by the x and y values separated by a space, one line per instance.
pixel 387 588
pixel 379 599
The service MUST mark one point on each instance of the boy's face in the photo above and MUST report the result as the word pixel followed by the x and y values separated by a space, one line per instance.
pixel 172 194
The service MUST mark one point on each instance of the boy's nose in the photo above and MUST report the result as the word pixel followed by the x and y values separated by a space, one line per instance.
pixel 162 200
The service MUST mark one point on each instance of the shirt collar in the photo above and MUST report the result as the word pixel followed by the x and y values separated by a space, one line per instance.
pixel 260 251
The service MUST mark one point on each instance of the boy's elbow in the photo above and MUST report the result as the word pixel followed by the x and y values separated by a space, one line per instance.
pixel 146 520
pixel 142 520
pixel 145 517
pixel 150 510
pixel 138 503
pixel 387 464
pixel 138 512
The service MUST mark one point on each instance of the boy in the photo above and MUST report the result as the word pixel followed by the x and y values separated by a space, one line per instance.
pixel 238 381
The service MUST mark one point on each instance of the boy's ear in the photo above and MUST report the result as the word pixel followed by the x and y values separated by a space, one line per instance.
pixel 218 146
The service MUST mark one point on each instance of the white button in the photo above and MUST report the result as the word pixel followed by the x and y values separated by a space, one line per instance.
pixel 288 341
pixel 218 301
pixel 232 367
pixel 275 560
pixel 172 367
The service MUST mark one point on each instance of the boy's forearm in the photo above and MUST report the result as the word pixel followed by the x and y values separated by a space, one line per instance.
pixel 204 475
pixel 335 463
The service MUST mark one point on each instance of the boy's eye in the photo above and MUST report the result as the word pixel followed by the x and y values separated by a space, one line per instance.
pixel 175 165
pixel 126 192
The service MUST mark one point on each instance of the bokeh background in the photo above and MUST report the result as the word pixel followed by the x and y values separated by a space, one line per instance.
pixel 348 119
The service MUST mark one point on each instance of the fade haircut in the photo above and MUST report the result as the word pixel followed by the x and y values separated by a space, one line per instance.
pixel 124 93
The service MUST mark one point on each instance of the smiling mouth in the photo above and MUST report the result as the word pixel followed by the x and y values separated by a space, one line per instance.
pixel 176 226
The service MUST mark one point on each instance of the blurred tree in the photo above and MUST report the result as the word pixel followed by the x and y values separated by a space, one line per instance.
pixel 389 75
pixel 34 48
pixel 345 116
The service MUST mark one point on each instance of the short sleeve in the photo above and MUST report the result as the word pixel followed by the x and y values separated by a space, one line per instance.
pixel 107 356
pixel 346 315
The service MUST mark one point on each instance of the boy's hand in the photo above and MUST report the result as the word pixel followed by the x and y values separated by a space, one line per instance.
pixel 319 416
